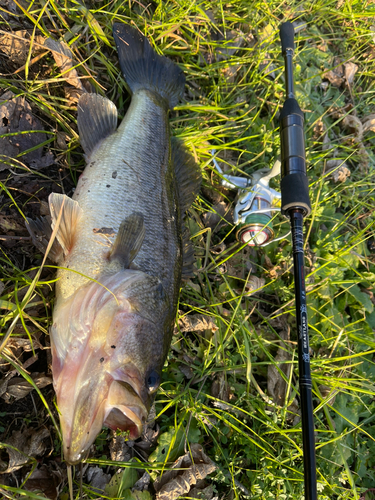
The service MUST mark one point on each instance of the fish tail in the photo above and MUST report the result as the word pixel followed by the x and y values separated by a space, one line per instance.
pixel 143 68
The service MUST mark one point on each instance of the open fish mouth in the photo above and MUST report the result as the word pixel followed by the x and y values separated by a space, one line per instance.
pixel 122 410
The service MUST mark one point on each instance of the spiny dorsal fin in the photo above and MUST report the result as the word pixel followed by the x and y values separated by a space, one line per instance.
pixel 40 231
pixel 70 213
pixel 129 240
pixel 188 174
pixel 97 119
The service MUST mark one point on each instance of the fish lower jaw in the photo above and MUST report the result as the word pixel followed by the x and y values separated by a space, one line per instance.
pixel 127 420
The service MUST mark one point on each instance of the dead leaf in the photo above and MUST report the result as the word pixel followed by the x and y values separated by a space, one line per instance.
pixel 18 387
pixel 368 123
pixel 175 483
pixel 187 371
pixel 339 169
pixel 196 323
pixel 44 481
pixel 17 45
pixel 24 344
pixel 335 76
pixel 253 285
pixel 142 483
pixel 23 446
pixel 354 125
pixel 120 451
pixel 97 478
pixel 72 95
pixel 220 388
pixel 327 391
pixel 64 59
pixel 350 70
pixel 218 213
pixel 234 41
pixel 16 118
pixel 9 223
pixel 61 140
pixel 204 493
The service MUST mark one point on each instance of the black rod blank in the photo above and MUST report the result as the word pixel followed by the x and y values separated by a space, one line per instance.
pixel 295 204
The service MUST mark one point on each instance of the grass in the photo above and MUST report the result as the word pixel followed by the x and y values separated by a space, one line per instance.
pixel 217 382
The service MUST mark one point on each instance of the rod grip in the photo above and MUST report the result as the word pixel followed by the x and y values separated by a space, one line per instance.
pixel 295 193
pixel 287 36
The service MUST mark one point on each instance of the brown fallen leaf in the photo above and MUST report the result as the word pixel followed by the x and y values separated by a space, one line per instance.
pixel 18 387
pixel 220 388
pixel 339 170
pixel 120 451
pixel 45 481
pixel 195 465
pixel 23 446
pixel 354 125
pixel 97 478
pixel 142 483
pixel 350 70
pixel 17 45
pixel 368 123
pixel 16 118
pixel 196 323
pixel 217 216
pixel 253 285
pixel 64 59
pixel 335 76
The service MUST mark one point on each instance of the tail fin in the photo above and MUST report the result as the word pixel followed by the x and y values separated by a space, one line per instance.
pixel 144 69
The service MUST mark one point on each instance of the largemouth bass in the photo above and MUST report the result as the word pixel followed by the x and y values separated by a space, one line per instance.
pixel 121 252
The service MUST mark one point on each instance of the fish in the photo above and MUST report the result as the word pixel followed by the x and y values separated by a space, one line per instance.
pixel 122 248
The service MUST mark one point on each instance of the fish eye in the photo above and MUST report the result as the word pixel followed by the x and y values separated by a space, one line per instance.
pixel 153 381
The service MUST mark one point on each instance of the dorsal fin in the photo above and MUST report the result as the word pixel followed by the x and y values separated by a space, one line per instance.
pixel 70 212
pixel 40 231
pixel 129 240
pixel 97 119
pixel 188 177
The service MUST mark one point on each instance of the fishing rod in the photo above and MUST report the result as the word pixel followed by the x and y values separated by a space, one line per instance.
pixel 295 204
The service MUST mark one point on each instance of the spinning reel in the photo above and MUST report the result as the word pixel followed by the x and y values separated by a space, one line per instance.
pixel 254 204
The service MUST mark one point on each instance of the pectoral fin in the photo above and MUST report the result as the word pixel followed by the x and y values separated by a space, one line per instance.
pixel 129 240
pixel 65 212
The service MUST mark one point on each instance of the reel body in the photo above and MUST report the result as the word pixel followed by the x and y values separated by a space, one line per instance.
pixel 255 203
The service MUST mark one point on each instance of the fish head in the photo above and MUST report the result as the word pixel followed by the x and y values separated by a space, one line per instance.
pixel 109 342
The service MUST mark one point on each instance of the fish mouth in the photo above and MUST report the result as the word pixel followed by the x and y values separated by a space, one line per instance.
pixel 122 410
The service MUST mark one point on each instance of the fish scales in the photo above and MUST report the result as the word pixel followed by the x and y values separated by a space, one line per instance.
pixel 120 252
pixel 144 182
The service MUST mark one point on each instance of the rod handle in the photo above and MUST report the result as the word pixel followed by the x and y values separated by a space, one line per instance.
pixel 287 37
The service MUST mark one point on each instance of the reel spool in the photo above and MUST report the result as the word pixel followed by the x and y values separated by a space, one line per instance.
pixel 254 206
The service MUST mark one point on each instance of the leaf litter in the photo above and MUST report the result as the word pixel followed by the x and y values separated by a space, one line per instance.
pixel 24 446
pixel 186 472
pixel 21 131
